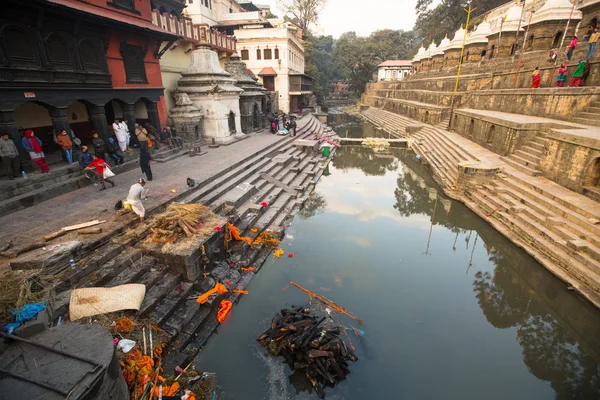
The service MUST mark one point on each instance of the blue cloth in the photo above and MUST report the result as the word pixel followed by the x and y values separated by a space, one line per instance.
pixel 85 159
pixel 29 149
pixel 69 155
pixel 23 314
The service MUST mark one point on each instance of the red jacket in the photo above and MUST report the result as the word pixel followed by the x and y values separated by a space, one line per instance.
pixel 99 164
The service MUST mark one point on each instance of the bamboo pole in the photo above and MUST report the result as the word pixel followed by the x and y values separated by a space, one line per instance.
pixel 524 41
pixel 460 60
pixel 562 42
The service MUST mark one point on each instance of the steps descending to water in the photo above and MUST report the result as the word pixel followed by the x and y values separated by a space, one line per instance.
pixel 590 116
pixel 167 302
pixel 553 224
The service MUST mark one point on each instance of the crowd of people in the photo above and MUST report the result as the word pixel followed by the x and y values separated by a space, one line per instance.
pixel 282 124
pixel 94 164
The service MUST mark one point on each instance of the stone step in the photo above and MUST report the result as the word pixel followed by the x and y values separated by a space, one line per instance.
pixel 460 152
pixel 591 116
pixel 521 167
pixel 559 207
pixel 524 161
pixel 133 273
pixel 441 172
pixel 153 276
pixel 592 109
pixel 586 121
pixel 158 292
pixel 441 152
pixel 106 272
pixel 592 192
pixel 174 154
pixel 534 148
pixel 595 104
pixel 171 302
pixel 544 249
pixel 528 156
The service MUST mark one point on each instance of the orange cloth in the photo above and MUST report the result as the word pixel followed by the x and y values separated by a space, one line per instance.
pixel 168 390
pixel 219 288
pixel 247 269
pixel 235 233
pixel 240 291
pixel 224 310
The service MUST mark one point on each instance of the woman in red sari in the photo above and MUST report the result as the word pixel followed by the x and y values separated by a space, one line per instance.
pixel 33 145
pixel 536 78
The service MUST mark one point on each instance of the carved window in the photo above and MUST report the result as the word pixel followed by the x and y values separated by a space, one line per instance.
pixel 127 5
pixel 258 54
pixel 267 54
pixel 277 54
pixel 133 61
pixel 90 57
pixel 245 55
pixel 59 53
pixel 20 48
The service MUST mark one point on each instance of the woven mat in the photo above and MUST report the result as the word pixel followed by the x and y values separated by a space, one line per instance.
pixel 88 302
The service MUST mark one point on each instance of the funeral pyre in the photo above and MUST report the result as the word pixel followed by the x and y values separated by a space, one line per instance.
pixel 310 344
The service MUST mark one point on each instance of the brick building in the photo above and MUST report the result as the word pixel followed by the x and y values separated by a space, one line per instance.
pixel 80 64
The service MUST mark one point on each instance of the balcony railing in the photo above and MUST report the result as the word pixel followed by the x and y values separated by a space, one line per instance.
pixel 297 87
pixel 197 33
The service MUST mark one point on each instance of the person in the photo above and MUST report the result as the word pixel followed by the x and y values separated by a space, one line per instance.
pixel 99 146
pixel 578 74
pixel 85 159
pixel 165 137
pixel 120 134
pixel 153 135
pixel 592 43
pixel 142 136
pixel 588 33
pixel 115 152
pixel 145 158
pixel 276 123
pixel 33 145
pixel 65 143
pixel 10 156
pixel 562 75
pixel 125 125
pixel 300 110
pixel 552 56
pixel 586 72
pixel 273 127
pixel 572 47
pixel 294 125
pixel 178 141
pixel 137 193
pixel 536 78
pixel 100 165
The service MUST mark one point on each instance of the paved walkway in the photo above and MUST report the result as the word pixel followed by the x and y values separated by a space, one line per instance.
pixel 89 203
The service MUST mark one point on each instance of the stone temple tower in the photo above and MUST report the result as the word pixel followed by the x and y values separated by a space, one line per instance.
pixel 254 96
pixel 213 92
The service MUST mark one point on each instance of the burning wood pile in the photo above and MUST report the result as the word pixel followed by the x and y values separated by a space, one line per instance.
pixel 182 221
pixel 309 344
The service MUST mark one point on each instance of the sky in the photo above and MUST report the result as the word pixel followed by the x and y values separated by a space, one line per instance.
pixel 361 16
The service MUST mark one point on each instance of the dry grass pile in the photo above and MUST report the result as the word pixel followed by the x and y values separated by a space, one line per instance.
pixel 182 221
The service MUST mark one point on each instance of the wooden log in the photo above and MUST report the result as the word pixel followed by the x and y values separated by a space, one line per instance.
pixel 15 252
pixel 6 246
pixel 83 225
pixel 89 231
pixel 54 235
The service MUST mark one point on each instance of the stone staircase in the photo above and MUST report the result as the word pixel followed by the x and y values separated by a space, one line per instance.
pixel 527 158
pixel 260 177
pixel 590 116
pixel 553 228
pixel 23 193
pixel 553 224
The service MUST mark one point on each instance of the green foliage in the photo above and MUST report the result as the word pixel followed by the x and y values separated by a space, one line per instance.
pixel 318 64
pixel 270 15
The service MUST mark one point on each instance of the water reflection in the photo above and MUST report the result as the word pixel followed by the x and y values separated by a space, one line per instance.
pixel 559 345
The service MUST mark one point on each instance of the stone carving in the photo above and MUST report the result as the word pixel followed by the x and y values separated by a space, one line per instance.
pixel 182 99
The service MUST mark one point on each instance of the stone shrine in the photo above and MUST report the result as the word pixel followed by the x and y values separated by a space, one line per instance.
pixel 253 98
pixel 188 121
pixel 213 92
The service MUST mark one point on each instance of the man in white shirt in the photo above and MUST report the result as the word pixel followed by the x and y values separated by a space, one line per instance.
pixel 127 133
pixel 137 193
pixel 121 134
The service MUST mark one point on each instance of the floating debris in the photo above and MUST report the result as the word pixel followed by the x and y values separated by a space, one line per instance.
pixel 311 345
pixel 333 306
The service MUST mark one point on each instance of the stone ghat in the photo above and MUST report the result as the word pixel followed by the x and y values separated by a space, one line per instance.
pixel 553 224
pixel 282 175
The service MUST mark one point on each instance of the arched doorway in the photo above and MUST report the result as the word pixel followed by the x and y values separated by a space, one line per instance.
pixel 489 138
pixel 141 113
pixel 530 40
pixel 492 51
pixel 471 128
pixel 79 121
pixel 231 122
pixel 34 116
pixel 557 39
pixel 426 119
pixel 256 117
pixel 592 174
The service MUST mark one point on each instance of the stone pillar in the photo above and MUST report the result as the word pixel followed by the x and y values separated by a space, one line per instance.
pixel 98 120
pixel 60 120
pixel 129 115
pixel 153 115
pixel 9 125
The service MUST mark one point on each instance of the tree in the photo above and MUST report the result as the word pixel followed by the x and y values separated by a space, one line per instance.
pixel 317 56
pixel 270 15
pixel 302 12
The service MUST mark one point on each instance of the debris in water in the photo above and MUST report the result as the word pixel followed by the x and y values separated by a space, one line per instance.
pixel 335 307
pixel 311 345
pixel 278 253
pixel 291 255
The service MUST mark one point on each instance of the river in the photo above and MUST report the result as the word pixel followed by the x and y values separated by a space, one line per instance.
pixel 452 309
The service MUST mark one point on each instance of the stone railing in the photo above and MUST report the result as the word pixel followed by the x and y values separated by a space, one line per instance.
pixel 197 33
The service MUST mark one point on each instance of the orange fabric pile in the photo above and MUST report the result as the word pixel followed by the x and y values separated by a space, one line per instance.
pixel 124 325
pixel 247 269
pixel 240 291
pixel 224 310
pixel 168 390
pixel 235 233
pixel 219 288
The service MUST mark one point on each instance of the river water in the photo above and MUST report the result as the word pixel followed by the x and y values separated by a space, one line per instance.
pixel 452 309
